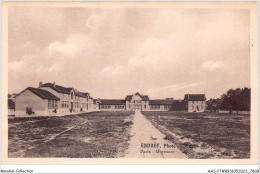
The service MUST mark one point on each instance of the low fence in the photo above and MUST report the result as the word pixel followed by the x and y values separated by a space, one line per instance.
pixel 233 112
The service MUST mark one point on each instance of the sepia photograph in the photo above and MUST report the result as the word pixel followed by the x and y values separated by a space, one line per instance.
pixel 130 81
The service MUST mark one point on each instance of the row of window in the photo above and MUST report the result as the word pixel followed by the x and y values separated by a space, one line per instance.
pixel 109 106
pixel 65 104
pixel 197 102
pixel 77 104
pixel 158 106
pixel 155 106
pixel 84 105
pixel 52 104
pixel 66 96
pixel 193 107
pixel 137 101
pixel 105 106
pixel 119 107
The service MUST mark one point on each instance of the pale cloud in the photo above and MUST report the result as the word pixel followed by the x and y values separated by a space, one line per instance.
pixel 55 67
pixel 153 52
pixel 212 65
pixel 73 45
pixel 16 66
pixel 174 87
pixel 145 56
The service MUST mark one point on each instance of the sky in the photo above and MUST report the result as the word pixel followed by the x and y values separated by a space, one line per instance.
pixel 111 53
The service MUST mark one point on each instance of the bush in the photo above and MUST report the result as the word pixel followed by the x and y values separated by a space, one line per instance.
pixel 29 111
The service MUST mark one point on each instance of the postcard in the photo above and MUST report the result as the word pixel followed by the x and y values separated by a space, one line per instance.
pixel 129 83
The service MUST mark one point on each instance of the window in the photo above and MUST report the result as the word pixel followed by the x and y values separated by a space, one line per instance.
pixel 144 106
pixel 55 104
pixel 201 107
pixel 119 106
pixel 105 106
pixel 71 95
pixel 192 107
pixel 49 103
pixel 166 107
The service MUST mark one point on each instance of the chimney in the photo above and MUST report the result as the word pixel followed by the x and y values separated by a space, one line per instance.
pixel 40 84
pixel 54 84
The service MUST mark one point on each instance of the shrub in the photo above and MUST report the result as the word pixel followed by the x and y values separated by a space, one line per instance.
pixel 29 111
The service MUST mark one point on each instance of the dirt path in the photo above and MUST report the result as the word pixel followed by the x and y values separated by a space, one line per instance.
pixel 143 132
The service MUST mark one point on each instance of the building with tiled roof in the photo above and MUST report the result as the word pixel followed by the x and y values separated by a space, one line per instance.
pixel 195 102
pixel 142 102
pixel 52 99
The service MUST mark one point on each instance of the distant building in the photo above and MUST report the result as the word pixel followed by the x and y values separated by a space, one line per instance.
pixel 195 102
pixel 136 102
pixel 191 103
pixel 112 105
pixel 51 99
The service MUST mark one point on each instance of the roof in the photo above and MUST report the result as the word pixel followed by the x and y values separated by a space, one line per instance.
pixel 43 94
pixel 57 88
pixel 160 102
pixel 112 102
pixel 128 97
pixel 144 97
pixel 195 97
pixel 80 94
pixel 86 94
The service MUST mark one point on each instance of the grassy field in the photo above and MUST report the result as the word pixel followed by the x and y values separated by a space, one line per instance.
pixel 90 135
pixel 205 135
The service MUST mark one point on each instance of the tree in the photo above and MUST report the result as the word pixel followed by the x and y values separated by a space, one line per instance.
pixel 213 104
pixel 234 99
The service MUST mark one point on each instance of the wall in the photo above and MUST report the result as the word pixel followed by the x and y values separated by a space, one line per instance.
pixel 112 107
pixel 29 99
pixel 159 109
pixel 143 104
pixel 63 97
pixel 192 106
